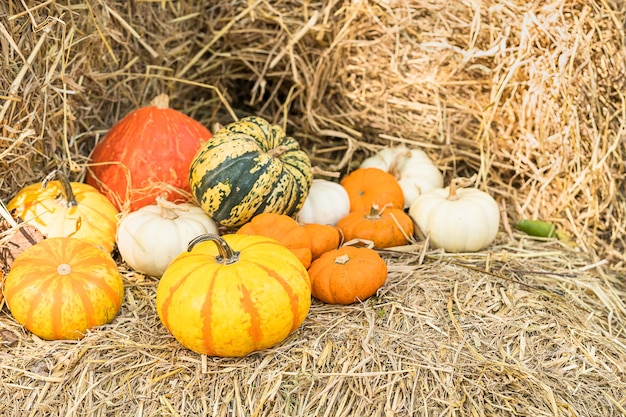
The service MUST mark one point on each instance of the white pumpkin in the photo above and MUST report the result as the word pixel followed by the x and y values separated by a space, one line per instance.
pixel 415 171
pixel 151 237
pixel 326 203
pixel 457 220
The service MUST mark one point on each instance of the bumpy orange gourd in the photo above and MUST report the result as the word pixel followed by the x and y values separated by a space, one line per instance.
pixel 232 295
pixel 67 209
pixel 285 230
pixel 385 228
pixel 368 186
pixel 324 238
pixel 61 287
pixel 347 275
pixel 147 154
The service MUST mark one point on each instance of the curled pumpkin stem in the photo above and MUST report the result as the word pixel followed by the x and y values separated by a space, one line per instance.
pixel 169 210
pixel 68 193
pixel 226 255
pixel 394 166
pixel 277 151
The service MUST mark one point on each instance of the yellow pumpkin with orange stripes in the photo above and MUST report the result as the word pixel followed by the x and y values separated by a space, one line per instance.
pixel 234 294
pixel 63 286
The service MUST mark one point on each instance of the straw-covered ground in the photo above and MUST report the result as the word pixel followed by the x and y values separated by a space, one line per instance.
pixel 527 98
pixel 526 330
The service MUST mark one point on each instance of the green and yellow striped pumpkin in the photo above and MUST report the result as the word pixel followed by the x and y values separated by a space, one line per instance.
pixel 250 167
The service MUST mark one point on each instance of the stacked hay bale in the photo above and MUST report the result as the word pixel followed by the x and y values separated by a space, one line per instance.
pixel 527 96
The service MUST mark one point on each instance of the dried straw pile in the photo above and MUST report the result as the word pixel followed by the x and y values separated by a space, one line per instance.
pixel 529 97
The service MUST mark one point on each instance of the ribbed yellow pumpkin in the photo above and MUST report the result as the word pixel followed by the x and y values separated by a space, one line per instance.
pixel 61 287
pixel 67 209
pixel 233 295
pixel 250 167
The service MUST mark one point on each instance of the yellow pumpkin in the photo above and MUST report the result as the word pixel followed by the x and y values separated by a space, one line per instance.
pixel 233 295
pixel 61 287
pixel 67 209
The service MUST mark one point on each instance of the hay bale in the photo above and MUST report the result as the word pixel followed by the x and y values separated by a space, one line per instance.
pixel 529 97
pixel 526 97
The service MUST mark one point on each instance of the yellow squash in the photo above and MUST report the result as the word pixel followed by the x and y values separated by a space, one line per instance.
pixel 232 295
pixel 67 209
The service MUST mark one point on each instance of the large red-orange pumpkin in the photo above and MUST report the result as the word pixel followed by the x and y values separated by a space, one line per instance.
pixel 147 154
pixel 63 286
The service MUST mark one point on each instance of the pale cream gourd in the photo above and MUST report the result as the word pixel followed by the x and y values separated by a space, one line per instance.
pixel 457 220
pixel 415 171
pixel 151 237
pixel 326 203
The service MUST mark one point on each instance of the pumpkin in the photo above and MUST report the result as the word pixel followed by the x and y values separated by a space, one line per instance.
pixel 250 167
pixel 1 288
pixel 413 169
pixel 233 295
pixel 369 186
pixel 151 237
pixel 67 209
pixel 385 228
pixel 324 237
pixel 326 203
pixel 62 287
pixel 347 275
pixel 146 154
pixel 285 230
pixel 457 220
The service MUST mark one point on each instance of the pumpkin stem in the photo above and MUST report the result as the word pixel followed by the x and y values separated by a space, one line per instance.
pixel 161 102
pixel 227 255
pixel 452 195
pixel 168 208
pixel 342 260
pixel 70 198
pixel 375 212
pixel 395 163
pixel 277 151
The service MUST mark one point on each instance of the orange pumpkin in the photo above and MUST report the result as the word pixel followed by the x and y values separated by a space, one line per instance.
pixel 385 228
pixel 1 288
pixel 285 230
pixel 61 287
pixel 233 295
pixel 147 154
pixel 324 237
pixel 347 275
pixel 67 209
pixel 368 186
